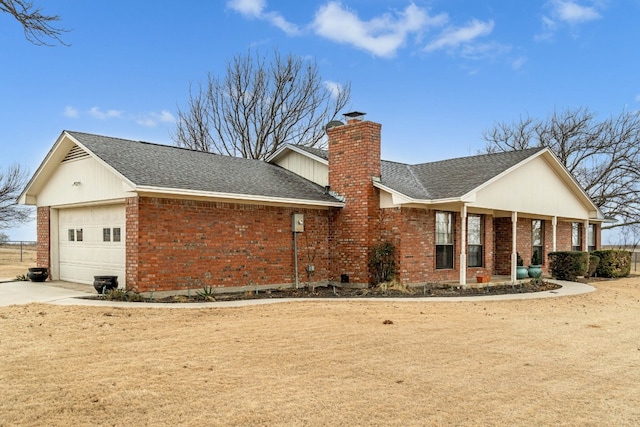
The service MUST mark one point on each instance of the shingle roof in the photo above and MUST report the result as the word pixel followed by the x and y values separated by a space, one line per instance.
pixel 449 178
pixel 443 179
pixel 163 166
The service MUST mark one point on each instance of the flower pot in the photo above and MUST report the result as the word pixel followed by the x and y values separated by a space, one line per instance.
pixel 535 271
pixel 38 274
pixel 483 278
pixel 105 283
pixel 521 272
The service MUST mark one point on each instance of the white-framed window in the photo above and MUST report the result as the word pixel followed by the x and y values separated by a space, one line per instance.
pixel 591 239
pixel 537 241
pixel 75 235
pixel 116 234
pixel 576 236
pixel 474 241
pixel 444 240
pixel 106 234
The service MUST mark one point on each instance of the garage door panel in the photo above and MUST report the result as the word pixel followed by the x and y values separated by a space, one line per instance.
pixel 92 256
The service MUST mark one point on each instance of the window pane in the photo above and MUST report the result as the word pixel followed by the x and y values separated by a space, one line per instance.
pixel 592 235
pixel 575 234
pixel 475 256
pixel 79 234
pixel 538 250
pixel 116 234
pixel 444 256
pixel 72 235
pixel 106 234
pixel 536 228
pixel 474 230
pixel 444 235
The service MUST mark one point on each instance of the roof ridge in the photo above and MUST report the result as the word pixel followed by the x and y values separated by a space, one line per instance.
pixel 414 176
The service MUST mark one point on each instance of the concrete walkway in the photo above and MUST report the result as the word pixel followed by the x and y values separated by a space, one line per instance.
pixel 65 293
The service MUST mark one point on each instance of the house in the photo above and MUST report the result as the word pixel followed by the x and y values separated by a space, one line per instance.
pixel 163 218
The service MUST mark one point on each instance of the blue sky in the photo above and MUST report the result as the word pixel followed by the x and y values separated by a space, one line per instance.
pixel 435 73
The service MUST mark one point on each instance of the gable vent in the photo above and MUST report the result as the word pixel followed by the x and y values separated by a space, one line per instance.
pixel 75 153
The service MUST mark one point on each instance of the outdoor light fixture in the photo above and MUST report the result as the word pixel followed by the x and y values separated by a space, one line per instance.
pixel 76 183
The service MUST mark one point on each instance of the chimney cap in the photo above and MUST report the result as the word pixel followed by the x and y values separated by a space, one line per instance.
pixel 354 115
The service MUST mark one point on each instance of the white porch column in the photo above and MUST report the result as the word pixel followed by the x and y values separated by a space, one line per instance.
pixel 554 223
pixel 585 237
pixel 514 249
pixel 463 246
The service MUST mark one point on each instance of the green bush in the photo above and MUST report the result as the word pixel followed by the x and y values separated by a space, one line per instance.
pixel 382 263
pixel 567 265
pixel 613 263
pixel 593 265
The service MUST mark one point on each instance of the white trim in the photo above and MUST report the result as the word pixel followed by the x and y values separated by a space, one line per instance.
pixel 280 151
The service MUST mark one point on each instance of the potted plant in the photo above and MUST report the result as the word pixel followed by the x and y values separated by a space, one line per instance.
pixel 38 274
pixel 521 270
pixel 535 269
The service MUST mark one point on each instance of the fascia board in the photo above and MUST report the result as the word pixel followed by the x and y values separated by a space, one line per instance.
pixel 233 196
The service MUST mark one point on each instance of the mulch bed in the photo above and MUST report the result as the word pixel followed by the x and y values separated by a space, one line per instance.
pixel 427 291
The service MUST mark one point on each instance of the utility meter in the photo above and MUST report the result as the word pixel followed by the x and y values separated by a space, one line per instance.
pixel 297 223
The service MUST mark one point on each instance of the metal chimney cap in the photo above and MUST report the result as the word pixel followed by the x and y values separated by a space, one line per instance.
pixel 355 115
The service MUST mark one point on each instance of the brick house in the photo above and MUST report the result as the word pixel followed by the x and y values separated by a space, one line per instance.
pixel 163 218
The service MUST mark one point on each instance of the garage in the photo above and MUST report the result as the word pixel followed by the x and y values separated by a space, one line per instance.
pixel 91 242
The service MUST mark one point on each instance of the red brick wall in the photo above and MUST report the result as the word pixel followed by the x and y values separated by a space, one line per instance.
pixel 43 231
pixel 185 244
pixel 354 158
pixel 412 231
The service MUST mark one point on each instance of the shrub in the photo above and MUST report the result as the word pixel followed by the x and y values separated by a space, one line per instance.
pixel 567 265
pixel 382 263
pixel 613 263
pixel 593 265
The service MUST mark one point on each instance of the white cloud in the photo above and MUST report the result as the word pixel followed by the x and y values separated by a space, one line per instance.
pixel 638 97
pixel 152 119
pixel 333 87
pixel 96 113
pixel 255 9
pixel 518 62
pixel 565 12
pixel 71 112
pixel 381 36
pixel 454 37
pixel 573 13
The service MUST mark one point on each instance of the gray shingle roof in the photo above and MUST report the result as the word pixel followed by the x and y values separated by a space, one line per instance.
pixel 449 178
pixel 443 179
pixel 147 164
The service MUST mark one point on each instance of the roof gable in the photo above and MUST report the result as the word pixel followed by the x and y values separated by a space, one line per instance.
pixel 151 167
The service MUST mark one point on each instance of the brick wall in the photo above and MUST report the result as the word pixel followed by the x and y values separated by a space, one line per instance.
pixel 186 244
pixel 43 231
pixel 354 158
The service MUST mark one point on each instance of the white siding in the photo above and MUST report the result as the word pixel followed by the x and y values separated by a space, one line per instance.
pixel 80 261
pixel 306 167
pixel 94 183
pixel 532 188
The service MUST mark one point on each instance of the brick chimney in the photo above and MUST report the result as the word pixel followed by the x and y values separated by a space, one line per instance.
pixel 354 160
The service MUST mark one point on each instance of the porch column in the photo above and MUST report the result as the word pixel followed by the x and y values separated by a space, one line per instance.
pixel 554 223
pixel 585 237
pixel 514 249
pixel 463 246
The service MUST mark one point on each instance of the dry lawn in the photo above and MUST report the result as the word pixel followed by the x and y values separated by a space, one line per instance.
pixel 10 264
pixel 559 361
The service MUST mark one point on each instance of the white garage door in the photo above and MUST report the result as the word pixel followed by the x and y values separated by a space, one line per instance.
pixel 92 243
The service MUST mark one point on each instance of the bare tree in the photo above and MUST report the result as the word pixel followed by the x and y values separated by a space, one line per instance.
pixel 11 184
pixel 38 28
pixel 261 103
pixel 603 155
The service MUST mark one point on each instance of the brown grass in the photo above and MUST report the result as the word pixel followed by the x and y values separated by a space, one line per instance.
pixel 10 263
pixel 560 361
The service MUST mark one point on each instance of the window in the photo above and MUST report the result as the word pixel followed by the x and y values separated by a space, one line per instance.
pixel 474 237
pixel 444 240
pixel 72 235
pixel 79 234
pixel 591 241
pixel 116 234
pixel 106 234
pixel 536 240
pixel 576 236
